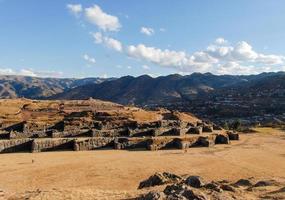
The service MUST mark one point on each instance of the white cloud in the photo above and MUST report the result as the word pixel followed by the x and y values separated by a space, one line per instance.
pixel 107 41
pixel 219 57
pixel 146 67
pixel 270 59
pixel 113 44
pixel 104 21
pixel 243 51
pixel 104 76
pixel 221 41
pixel 234 68
pixel 129 67
pixel 75 9
pixel 157 56
pixel 89 59
pixel 147 31
pixel 219 51
pixel 154 75
pixel 162 29
pixel 7 71
pixel 29 72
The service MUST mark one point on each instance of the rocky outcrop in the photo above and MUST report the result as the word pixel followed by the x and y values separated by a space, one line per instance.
pixel 159 179
pixel 196 188
pixel 195 181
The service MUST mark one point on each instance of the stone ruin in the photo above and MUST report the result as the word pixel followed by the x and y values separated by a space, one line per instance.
pixel 91 129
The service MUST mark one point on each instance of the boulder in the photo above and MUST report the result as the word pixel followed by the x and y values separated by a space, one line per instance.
pixel 194 181
pixel 243 182
pixel 265 183
pixel 194 195
pixel 181 191
pixel 232 135
pixel 217 127
pixel 222 139
pixel 207 128
pixel 205 142
pixel 213 186
pixel 228 188
pixel 159 179
pixel 153 196
pixel 195 130
pixel 176 188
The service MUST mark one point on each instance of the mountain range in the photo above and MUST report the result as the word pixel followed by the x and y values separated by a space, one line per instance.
pixel 39 88
pixel 145 90
pixel 206 95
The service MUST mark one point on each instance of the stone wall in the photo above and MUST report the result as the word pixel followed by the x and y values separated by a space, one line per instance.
pixel 130 143
pixel 12 146
pixel 22 135
pixel 71 133
pixel 40 145
pixel 93 143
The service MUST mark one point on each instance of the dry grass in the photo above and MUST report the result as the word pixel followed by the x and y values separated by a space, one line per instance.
pixel 269 131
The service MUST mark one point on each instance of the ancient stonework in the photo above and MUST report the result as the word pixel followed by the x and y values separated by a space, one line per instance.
pixel 89 125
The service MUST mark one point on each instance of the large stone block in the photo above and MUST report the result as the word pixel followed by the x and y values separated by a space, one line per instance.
pixel 205 141
pixel 182 144
pixel 195 130
pixel 207 128
pixel 41 145
pixel 232 135
pixel 222 139
pixel 92 143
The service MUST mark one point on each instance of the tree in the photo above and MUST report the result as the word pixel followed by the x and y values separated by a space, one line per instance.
pixel 236 124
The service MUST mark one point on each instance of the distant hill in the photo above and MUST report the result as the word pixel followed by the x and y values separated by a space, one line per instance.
pixel 39 88
pixel 208 96
pixel 145 90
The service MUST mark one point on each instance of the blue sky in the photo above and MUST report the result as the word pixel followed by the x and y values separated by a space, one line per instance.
pixel 113 38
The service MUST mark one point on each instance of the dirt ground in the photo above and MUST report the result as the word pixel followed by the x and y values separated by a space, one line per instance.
pixel 115 174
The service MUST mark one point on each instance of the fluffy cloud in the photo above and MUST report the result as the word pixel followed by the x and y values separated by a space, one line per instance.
pixel 147 31
pixel 75 9
pixel 157 56
pixel 107 41
pixel 221 41
pixel 27 72
pixel 104 21
pixel 6 71
pixel 30 72
pixel 219 57
pixel 89 59
pixel 270 59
